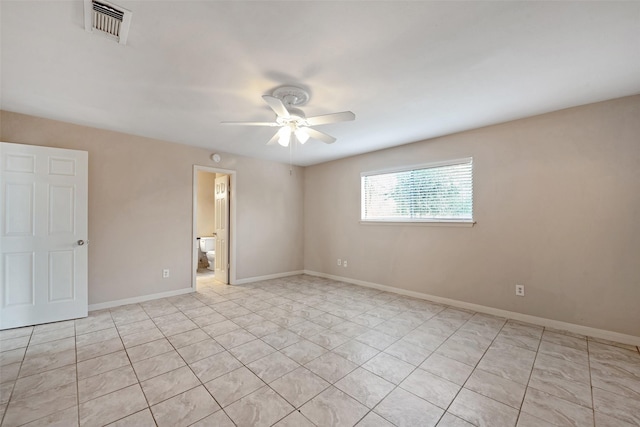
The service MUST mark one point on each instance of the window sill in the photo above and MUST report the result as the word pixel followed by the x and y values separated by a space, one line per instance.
pixel 443 223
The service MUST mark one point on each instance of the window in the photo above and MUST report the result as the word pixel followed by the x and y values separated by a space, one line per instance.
pixel 440 192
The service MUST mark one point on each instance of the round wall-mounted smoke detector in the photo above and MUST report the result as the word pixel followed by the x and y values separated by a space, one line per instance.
pixel 291 95
pixel 216 158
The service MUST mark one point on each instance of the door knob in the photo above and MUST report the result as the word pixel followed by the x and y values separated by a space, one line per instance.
pixel 80 242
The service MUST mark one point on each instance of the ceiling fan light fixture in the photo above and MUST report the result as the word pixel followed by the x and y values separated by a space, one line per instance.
pixel 292 121
pixel 284 134
pixel 302 135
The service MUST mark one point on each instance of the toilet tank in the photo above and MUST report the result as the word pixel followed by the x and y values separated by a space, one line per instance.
pixel 207 244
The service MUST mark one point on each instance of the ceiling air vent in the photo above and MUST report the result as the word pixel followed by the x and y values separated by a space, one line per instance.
pixel 107 19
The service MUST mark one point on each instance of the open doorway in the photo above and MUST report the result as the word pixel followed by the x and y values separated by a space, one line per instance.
pixel 213 248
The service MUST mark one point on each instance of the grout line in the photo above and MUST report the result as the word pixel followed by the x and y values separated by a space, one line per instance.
pixel 189 366
pixel 593 405
pixel 24 357
pixel 111 370
pixel 300 365
pixel 331 291
pixel 474 367
pixel 75 341
pixel 153 417
pixel 526 387
pixel 15 381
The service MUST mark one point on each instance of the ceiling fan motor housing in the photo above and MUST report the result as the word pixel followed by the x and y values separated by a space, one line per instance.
pixel 291 95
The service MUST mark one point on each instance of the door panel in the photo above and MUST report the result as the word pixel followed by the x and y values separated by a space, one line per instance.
pixel 19 219
pixel 19 278
pixel 222 228
pixel 43 270
pixel 61 277
pixel 61 209
pixel 20 163
pixel 62 166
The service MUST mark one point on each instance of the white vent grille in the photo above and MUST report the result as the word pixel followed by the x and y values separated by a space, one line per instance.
pixel 107 19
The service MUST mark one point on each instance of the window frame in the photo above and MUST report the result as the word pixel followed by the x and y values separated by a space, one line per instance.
pixel 417 221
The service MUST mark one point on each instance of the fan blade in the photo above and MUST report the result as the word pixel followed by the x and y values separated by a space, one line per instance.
pixel 274 139
pixel 321 136
pixel 271 124
pixel 344 116
pixel 276 105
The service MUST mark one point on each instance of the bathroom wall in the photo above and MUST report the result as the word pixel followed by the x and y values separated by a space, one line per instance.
pixel 557 205
pixel 141 207
pixel 205 215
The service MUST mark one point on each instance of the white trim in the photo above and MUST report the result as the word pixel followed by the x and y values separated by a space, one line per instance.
pixel 430 165
pixel 469 222
pixel 232 221
pixel 571 327
pixel 135 300
pixel 267 277
pixel 431 223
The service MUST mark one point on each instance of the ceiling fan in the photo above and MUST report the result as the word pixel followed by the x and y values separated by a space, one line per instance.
pixel 292 121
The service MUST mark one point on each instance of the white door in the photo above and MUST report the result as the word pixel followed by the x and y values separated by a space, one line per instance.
pixel 43 235
pixel 222 229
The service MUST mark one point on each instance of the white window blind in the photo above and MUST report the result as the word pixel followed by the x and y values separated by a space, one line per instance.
pixel 442 192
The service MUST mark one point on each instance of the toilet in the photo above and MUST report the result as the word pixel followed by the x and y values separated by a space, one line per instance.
pixel 208 247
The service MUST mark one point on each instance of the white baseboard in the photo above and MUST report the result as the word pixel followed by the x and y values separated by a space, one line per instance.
pixel 135 300
pixel 267 277
pixel 541 321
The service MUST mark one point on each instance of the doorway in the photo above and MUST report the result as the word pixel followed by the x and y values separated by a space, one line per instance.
pixel 213 237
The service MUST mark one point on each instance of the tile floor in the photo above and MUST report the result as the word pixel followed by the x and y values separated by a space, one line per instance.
pixel 304 351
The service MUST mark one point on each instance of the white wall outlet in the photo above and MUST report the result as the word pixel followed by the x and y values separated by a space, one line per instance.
pixel 344 263
pixel 339 261
pixel 520 290
pixel 165 273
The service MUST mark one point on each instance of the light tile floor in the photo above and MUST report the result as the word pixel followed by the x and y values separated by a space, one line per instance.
pixel 305 351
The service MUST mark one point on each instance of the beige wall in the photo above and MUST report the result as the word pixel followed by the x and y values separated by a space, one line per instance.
pixel 557 205
pixel 205 214
pixel 140 208
pixel 556 200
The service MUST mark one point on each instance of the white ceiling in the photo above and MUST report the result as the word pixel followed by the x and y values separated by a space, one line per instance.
pixel 408 70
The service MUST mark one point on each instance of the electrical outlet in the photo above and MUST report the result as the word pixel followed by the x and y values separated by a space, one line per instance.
pixel 165 273
pixel 339 261
pixel 344 263
pixel 520 290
